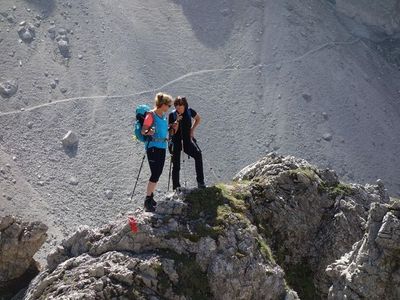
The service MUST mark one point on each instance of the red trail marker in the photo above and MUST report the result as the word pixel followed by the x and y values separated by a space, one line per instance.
pixel 133 224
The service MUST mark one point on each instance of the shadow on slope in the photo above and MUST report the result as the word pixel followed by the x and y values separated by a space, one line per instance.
pixel 211 20
pixel 46 6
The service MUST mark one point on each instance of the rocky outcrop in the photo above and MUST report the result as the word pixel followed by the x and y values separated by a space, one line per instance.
pixel 19 241
pixel 373 19
pixel 309 218
pixel 277 227
pixel 371 270
pixel 198 245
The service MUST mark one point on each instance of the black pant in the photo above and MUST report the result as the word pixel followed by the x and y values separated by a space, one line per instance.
pixel 156 158
pixel 191 149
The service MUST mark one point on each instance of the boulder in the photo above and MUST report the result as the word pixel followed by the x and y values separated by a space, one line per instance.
pixel 70 140
pixel 8 88
pixel 26 31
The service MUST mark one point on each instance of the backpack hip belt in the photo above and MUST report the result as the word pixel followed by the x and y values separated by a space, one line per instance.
pixel 158 140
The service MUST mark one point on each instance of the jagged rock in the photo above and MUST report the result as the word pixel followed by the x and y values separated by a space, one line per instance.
pixel 70 140
pixel 63 46
pixel 310 218
pixel 281 223
pixel 26 31
pixel 371 270
pixel 19 241
pixel 63 43
pixel 8 88
pixel 371 19
pixel 220 255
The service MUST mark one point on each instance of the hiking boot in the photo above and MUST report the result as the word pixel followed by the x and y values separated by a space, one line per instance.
pixel 148 206
pixel 201 185
pixel 152 201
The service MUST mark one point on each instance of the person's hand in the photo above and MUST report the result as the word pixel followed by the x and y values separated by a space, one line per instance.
pixel 175 126
pixel 150 131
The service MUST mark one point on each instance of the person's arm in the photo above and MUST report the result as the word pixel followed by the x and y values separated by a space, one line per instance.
pixel 197 121
pixel 171 124
pixel 148 122
pixel 174 124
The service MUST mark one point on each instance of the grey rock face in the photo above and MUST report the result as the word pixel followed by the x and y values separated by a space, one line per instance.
pixel 215 243
pixel 370 18
pixel 310 218
pixel 182 257
pixel 8 88
pixel 19 241
pixel 371 269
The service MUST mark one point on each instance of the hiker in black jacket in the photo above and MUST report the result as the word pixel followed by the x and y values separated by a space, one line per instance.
pixel 183 123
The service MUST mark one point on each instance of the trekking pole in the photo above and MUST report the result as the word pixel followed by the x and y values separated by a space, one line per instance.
pixel 137 178
pixel 183 158
pixel 169 175
pixel 184 167
pixel 140 170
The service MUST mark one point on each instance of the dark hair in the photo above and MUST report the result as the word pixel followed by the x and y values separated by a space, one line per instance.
pixel 181 101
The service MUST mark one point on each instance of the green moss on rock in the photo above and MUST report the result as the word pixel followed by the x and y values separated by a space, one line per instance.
pixel 193 282
pixel 211 210
pixel 265 249
pixel 340 189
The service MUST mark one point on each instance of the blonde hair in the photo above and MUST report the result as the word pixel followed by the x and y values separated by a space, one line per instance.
pixel 162 98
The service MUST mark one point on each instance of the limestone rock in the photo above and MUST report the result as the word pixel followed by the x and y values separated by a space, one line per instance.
pixel 26 32
pixel 19 241
pixel 197 257
pixel 8 88
pixel 310 218
pixel 70 140
pixel 371 269
pixel 282 223
pixel 63 43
